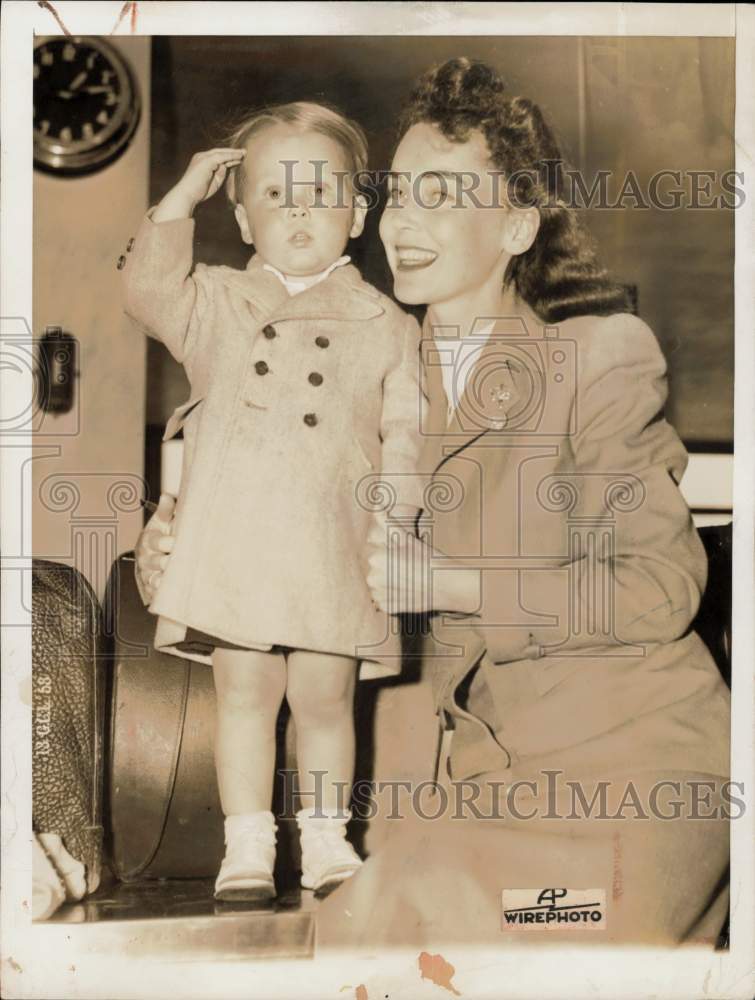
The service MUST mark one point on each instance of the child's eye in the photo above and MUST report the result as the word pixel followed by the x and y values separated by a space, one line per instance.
pixel 274 193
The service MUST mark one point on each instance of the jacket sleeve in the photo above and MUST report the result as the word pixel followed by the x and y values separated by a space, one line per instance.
pixel 165 295
pixel 636 566
pixel 401 418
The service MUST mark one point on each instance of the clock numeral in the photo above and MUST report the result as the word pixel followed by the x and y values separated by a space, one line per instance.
pixel 69 52
pixel 111 99
pixel 107 74
pixel 87 131
pixel 103 118
pixel 36 71
pixel 44 127
pixel 91 60
pixel 47 58
pixel 66 134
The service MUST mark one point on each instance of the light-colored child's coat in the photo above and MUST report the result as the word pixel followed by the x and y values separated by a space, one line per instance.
pixel 294 400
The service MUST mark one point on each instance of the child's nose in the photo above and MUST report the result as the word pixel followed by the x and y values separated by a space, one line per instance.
pixel 299 210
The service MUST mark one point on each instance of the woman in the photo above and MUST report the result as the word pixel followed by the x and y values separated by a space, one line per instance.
pixel 579 711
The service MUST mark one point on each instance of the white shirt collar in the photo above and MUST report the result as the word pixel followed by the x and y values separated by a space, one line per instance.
pixel 458 356
pixel 295 285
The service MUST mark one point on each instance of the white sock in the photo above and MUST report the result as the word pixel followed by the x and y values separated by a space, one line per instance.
pixel 243 822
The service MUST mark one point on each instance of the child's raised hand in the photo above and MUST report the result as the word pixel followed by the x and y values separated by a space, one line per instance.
pixel 204 176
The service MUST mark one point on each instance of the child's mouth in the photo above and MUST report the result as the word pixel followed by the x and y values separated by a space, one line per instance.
pixel 414 258
pixel 300 239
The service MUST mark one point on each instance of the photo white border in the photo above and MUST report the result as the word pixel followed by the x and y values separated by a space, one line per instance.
pixel 39 961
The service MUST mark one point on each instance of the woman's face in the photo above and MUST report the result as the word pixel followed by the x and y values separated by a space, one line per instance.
pixel 444 228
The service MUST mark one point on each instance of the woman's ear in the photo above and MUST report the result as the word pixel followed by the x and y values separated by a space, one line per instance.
pixel 520 229
pixel 243 223
pixel 360 214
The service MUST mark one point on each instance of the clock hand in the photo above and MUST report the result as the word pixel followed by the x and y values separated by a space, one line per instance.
pixel 78 80
pixel 97 90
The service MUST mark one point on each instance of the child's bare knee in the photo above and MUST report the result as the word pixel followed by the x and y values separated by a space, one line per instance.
pixel 329 703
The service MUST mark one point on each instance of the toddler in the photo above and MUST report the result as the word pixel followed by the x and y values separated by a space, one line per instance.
pixel 304 380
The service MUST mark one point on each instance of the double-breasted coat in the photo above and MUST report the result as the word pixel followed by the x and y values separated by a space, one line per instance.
pixel 294 401
pixel 557 479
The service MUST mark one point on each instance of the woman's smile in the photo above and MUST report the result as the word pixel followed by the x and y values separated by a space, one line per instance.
pixel 412 258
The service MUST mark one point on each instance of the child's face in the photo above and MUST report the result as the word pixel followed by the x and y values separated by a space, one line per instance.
pixel 299 215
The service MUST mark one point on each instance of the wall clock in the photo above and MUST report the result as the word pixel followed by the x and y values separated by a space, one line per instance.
pixel 86 104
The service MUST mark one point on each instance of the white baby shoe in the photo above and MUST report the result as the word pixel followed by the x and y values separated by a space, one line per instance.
pixel 327 858
pixel 246 873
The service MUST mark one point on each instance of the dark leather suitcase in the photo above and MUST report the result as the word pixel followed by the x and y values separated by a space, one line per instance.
pixel 163 811
pixel 68 698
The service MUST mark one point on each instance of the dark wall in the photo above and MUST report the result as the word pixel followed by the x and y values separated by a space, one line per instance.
pixel 643 104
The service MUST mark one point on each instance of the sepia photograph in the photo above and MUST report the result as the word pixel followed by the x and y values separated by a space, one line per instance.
pixel 377 500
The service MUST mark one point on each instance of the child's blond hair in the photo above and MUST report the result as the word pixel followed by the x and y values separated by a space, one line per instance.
pixel 308 117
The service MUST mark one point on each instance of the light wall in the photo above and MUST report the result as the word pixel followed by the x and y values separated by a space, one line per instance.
pixel 87 474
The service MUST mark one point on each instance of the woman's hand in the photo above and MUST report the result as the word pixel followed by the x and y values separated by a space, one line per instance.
pixel 204 176
pixel 153 547
pixel 406 576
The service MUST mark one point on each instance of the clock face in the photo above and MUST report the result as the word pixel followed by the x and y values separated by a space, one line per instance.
pixel 85 104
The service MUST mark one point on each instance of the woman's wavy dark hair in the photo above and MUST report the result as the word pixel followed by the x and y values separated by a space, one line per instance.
pixel 559 276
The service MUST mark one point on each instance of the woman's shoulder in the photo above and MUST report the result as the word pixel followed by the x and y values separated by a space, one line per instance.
pixel 600 327
pixel 619 338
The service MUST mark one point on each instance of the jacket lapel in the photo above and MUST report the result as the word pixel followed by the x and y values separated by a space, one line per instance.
pixel 495 385
pixel 342 296
pixel 434 422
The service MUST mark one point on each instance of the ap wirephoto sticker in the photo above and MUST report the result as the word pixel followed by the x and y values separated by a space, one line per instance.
pixel 553 909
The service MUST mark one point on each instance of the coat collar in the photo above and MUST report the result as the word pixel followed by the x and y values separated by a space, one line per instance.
pixel 344 295
pixel 491 388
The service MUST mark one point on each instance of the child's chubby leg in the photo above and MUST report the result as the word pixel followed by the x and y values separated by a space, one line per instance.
pixel 320 693
pixel 249 688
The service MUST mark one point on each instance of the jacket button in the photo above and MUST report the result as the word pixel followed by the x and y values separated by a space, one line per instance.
pixel 261 368
pixel 269 332
pixel 130 245
pixel 322 342
pixel 121 262
pixel 315 378
pixel 310 419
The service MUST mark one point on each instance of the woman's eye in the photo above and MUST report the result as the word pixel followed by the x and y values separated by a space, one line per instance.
pixel 434 192
pixel 319 189
pixel 274 193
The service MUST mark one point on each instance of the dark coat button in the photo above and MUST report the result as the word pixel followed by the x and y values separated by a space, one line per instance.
pixel 121 262
pixel 310 419
pixel 269 331
pixel 261 368
pixel 130 245
pixel 322 341
pixel 315 378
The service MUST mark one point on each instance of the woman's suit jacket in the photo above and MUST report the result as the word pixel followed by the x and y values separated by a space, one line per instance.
pixel 294 400
pixel 557 479
pixel 583 714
